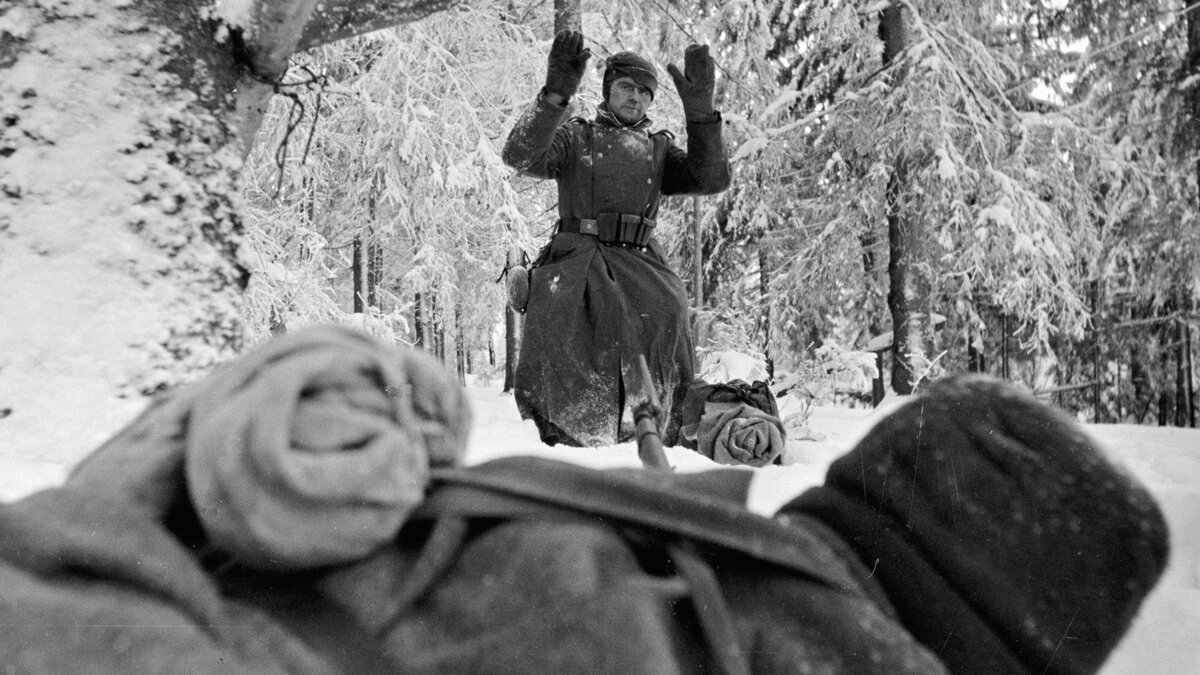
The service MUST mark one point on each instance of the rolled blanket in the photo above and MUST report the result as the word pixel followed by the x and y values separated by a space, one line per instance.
pixel 708 427
pixel 315 449
pixel 741 434
pixel 308 452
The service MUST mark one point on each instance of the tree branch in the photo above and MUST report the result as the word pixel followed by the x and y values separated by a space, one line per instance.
pixel 340 19
pixel 280 28
pixel 270 40
pixel 276 32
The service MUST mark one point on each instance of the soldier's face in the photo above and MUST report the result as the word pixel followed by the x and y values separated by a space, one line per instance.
pixel 628 100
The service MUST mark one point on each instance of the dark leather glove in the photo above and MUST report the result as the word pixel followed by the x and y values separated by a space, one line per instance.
pixel 568 59
pixel 695 84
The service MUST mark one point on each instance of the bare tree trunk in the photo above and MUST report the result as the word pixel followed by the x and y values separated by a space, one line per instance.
pixel 764 294
pixel 868 241
pixel 1139 380
pixel 374 272
pixel 1096 348
pixel 1183 393
pixel 356 270
pixel 1190 367
pixel 878 390
pixel 904 332
pixel 698 255
pixel 1181 402
pixel 903 235
pixel 1166 403
pixel 374 249
pixel 437 329
pixel 699 338
pixel 460 346
pixel 1005 356
pixel 976 357
pixel 512 330
pixel 119 163
pixel 419 322
pixel 439 339
pixel 1191 69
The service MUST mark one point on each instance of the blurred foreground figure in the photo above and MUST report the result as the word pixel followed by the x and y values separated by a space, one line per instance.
pixel 300 511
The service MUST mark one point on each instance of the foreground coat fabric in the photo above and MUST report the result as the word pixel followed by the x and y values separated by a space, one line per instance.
pixel 974 531
pixel 593 308
pixel 1006 541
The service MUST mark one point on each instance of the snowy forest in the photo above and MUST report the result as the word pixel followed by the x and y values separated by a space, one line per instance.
pixel 920 188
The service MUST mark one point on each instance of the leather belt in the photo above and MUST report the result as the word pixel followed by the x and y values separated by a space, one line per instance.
pixel 612 228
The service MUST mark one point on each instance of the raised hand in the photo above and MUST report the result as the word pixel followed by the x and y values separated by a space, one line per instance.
pixel 568 61
pixel 695 83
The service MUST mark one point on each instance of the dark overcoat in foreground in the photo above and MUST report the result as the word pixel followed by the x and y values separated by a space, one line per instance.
pixel 594 307
pixel 302 512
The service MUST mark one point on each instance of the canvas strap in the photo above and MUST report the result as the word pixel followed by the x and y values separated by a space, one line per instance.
pixel 451 504
pixel 702 507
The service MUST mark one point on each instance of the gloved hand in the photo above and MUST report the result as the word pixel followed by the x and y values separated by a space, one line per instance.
pixel 568 59
pixel 695 84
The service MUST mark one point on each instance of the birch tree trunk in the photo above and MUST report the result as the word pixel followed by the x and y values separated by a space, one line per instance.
pixel 123 125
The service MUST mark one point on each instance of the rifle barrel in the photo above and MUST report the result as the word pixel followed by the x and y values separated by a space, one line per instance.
pixel 646 420
pixel 650 447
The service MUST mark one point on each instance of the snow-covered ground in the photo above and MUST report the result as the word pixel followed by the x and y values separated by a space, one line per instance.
pixel 1163 640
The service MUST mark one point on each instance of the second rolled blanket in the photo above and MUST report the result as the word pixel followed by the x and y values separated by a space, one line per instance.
pixel 732 422
pixel 741 434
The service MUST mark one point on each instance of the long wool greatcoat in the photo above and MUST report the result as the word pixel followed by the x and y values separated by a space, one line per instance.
pixel 594 307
